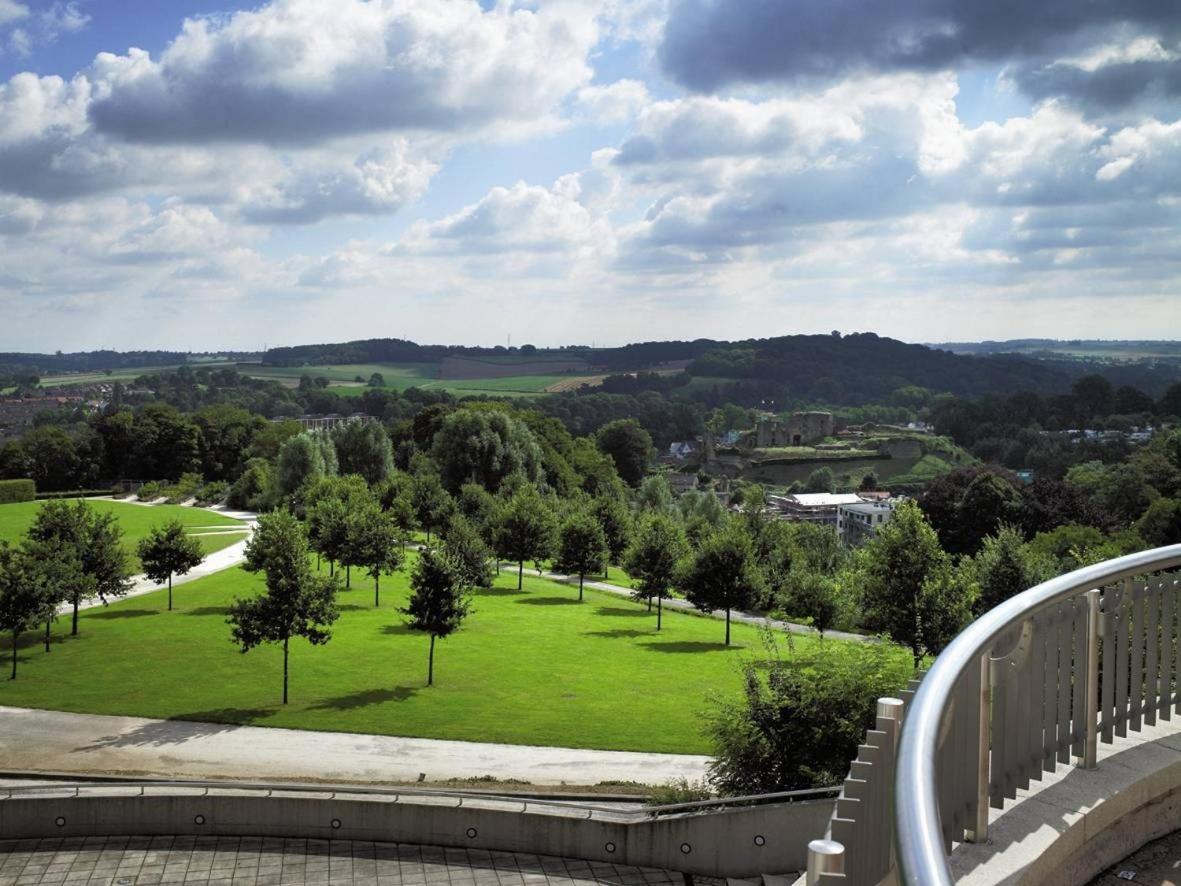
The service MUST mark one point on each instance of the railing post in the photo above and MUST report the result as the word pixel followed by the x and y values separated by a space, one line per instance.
pixel 978 833
pixel 824 857
pixel 1091 739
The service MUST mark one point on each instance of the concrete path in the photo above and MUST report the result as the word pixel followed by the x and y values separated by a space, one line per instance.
pixel 685 606
pixel 54 741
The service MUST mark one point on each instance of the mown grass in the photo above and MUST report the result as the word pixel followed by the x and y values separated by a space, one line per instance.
pixel 135 520
pixel 531 667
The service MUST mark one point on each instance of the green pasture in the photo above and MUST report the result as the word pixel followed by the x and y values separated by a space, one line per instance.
pixel 529 667
pixel 394 373
pixel 135 520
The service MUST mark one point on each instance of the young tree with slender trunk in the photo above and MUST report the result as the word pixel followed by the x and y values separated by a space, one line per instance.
pixel 655 554
pixel 582 547
pixel 524 530
pixel 464 546
pixel 615 518
pixel 24 602
pixel 723 574
pixel 168 551
pixel 297 603
pixel 439 601
pixel 375 543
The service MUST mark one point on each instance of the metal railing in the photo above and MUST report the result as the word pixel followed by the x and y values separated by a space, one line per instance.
pixel 1040 679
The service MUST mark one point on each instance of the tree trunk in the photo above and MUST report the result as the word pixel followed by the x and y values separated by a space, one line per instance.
pixel 170 592
pixel 649 602
pixel 727 627
pixel 286 641
pixel 348 576
pixel 520 573
pixel 77 602
pixel 659 611
pixel 48 625
pixel 377 590
pixel 15 637
pixel 430 663
pixel 331 568
pixel 580 587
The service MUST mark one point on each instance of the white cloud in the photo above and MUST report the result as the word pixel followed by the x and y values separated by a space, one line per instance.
pixel 614 103
pixel 1136 49
pixel 11 11
pixel 302 71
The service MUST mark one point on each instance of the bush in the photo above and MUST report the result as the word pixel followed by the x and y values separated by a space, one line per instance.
pixel 213 492
pixel 150 490
pixel 679 790
pixel 798 722
pixel 17 490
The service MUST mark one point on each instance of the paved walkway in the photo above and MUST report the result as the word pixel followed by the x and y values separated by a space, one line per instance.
pixel 677 605
pixel 55 741
pixel 259 861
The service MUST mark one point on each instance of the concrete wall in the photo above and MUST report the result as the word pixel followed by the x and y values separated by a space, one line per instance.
pixel 738 842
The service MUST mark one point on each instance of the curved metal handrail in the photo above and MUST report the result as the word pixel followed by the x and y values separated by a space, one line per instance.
pixel 918 837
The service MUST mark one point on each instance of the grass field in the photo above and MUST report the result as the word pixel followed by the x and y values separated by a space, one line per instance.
pixel 531 667
pixel 136 521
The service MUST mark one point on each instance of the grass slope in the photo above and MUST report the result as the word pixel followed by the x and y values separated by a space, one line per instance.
pixel 534 667
pixel 136 521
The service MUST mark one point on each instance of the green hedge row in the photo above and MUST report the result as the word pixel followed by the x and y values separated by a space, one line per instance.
pixel 17 490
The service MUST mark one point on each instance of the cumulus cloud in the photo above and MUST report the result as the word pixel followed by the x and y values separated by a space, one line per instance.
pixel 297 72
pixel 41 28
pixel 614 103
pixel 706 45
pixel 11 11
pixel 379 181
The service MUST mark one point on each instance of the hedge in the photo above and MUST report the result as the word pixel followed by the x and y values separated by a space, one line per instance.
pixel 17 490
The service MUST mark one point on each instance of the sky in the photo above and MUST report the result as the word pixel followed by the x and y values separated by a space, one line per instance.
pixel 204 175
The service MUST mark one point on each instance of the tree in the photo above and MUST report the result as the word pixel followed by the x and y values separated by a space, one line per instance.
pixel 374 544
pixel 907 580
pixel 297 602
pixel 582 547
pixel 23 601
pixel 363 448
pixel 377 380
pixel 524 530
pixel 439 601
pixel 484 447
pixel 629 446
pixel 1170 401
pixel 1160 524
pixel 653 557
pixel 167 551
pixel 432 504
pixel 869 482
pixel 820 480
pixel 722 574
pixel 469 552
pixel 303 458
pixel 655 494
pixel 813 596
pixel 616 520
pixel 95 539
pixel 1004 568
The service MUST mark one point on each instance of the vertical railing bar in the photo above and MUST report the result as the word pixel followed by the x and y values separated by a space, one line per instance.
pixel 1136 675
pixel 1151 651
pixel 1021 674
pixel 1033 717
pixel 1123 657
pixel 979 832
pixel 997 769
pixel 1078 675
pixel 1049 691
pixel 1110 603
pixel 1164 695
pixel 1091 688
pixel 1062 716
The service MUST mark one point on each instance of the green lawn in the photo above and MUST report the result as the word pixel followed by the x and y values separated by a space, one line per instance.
pixel 136 521
pixel 531 667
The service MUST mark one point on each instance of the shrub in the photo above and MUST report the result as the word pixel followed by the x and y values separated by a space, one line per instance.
pixel 798 722
pixel 213 492
pixel 17 490
pixel 149 491
pixel 679 790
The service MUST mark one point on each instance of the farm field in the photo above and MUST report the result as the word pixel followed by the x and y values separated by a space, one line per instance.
pixel 127 374
pixel 529 667
pixel 136 521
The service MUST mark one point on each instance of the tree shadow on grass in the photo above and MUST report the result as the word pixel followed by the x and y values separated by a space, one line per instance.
pixel 621 632
pixel 550 601
pixel 689 646
pixel 208 610
pixel 352 607
pixel 629 613
pixel 180 728
pixel 120 613
pixel 364 698
pixel 398 630
pixel 499 592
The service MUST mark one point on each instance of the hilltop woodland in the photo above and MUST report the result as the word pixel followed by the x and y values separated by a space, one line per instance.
pixel 569 482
